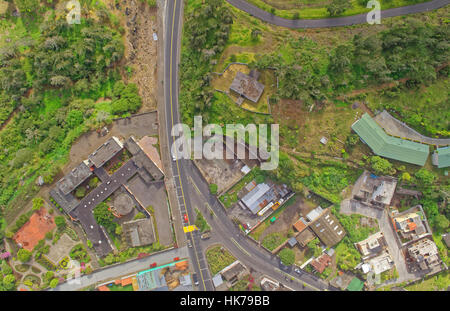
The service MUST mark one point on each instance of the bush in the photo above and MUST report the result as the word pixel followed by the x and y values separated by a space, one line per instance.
pixel 54 283
pixel 213 188
pixel 49 235
pixel 60 222
pixel 139 215
pixel 24 255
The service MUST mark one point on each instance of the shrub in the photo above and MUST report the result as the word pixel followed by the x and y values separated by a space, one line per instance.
pixel 60 222
pixel 54 283
pixel 139 215
pixel 24 255
pixel 213 188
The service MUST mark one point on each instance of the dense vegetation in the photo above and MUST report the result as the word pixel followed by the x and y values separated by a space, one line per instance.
pixel 51 76
pixel 206 32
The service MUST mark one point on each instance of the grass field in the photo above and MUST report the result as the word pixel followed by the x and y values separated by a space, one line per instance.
pixel 218 258
pixel 315 9
pixel 119 288
pixel 437 282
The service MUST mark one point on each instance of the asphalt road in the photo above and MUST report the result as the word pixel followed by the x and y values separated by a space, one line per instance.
pixel 173 18
pixel 121 270
pixel 336 21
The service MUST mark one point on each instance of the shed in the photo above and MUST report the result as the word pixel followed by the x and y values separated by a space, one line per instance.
pixel 292 241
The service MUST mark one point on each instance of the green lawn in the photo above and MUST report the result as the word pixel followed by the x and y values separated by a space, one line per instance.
pixel 218 259
pixel 437 282
pixel 119 288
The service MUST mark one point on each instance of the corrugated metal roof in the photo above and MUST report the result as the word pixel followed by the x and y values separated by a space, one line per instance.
pixel 443 157
pixel 255 194
pixel 387 146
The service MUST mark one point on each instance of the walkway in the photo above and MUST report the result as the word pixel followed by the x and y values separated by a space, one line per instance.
pixel 333 22
pixel 127 268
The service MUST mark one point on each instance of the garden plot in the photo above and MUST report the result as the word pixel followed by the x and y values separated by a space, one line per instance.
pixel 61 249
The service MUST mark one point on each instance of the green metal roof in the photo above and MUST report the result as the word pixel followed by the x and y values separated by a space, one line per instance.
pixel 443 157
pixel 387 146
pixel 355 285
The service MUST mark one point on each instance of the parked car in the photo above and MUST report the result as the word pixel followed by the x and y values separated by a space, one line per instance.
pixel 194 277
pixel 185 218
pixel 205 235
pixel 189 243
pixel 298 271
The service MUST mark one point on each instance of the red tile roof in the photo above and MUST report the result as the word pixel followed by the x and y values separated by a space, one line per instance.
pixel 321 263
pixel 299 225
pixel 35 229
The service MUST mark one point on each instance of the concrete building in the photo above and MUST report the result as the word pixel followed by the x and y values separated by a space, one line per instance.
pixel 139 232
pixel 376 191
pixel 247 86
pixel 258 198
pixel 327 228
pixel 372 246
pixel 105 152
pixel 425 254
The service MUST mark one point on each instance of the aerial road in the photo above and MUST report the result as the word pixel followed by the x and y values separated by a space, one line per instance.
pixel 335 21
pixel 193 192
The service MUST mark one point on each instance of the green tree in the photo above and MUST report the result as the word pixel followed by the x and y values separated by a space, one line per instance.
pixel 9 282
pixel 406 177
pixel 441 222
pixel 60 222
pixel 89 243
pixel 287 256
pixel 425 177
pixel 37 203
pixel 118 230
pixel 104 217
pixel 381 166
pixel 213 188
pixel 337 7
pixel 54 283
pixel 24 255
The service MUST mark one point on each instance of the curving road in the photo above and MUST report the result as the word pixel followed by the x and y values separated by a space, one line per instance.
pixel 336 21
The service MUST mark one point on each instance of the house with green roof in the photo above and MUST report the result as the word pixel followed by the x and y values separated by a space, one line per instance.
pixel 387 146
pixel 356 285
pixel 441 157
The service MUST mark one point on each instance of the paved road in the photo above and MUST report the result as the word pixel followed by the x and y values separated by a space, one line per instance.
pixel 173 19
pixel 117 271
pixel 333 22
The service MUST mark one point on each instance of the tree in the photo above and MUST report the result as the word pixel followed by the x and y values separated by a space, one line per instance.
pixel 104 217
pixel 24 255
pixel 49 235
pixel 80 192
pixel 441 222
pixel 287 256
pixel 37 203
pixel 118 230
pixel 425 177
pixel 27 6
pixel 9 282
pixel 337 7
pixel 406 177
pixel 213 188
pixel 60 222
pixel 54 283
pixel 89 243
pixel 381 166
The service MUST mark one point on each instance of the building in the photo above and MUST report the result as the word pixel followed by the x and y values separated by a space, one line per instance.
pixel 292 241
pixel 342 280
pixel 139 232
pixel 233 273
pixel 105 152
pixel 424 253
pixel 314 214
pixel 247 86
pixel 321 263
pixel 376 191
pixel 372 246
pixel 387 146
pixel 441 157
pixel 410 225
pixel 381 263
pixel 327 228
pixel 269 285
pixel 258 198
pixel 301 224
pixel 305 237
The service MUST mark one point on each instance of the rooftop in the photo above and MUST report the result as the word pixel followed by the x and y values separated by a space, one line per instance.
pixel 73 179
pixel 373 245
pixel 247 86
pixel 253 198
pixel 387 146
pixel 305 237
pixel 328 228
pixel 378 190
pixel 300 224
pixel 321 263
pixel 139 232
pixel 442 157
pixel 105 152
